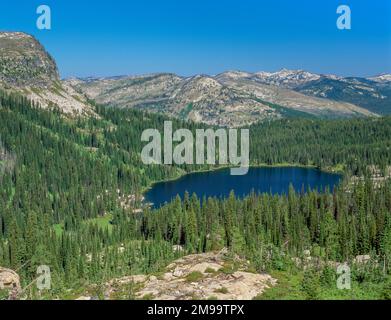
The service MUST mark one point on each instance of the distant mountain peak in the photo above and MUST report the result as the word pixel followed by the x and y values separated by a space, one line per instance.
pixel 287 78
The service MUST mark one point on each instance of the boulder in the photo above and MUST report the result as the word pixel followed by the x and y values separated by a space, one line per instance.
pixel 363 259
pixel 9 280
pixel 204 266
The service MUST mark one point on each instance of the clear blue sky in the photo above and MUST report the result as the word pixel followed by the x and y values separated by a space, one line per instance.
pixel 116 37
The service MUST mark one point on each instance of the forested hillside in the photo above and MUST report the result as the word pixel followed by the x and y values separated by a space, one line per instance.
pixel 61 179
pixel 328 144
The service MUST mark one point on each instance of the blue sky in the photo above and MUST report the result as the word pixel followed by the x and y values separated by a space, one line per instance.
pixel 116 37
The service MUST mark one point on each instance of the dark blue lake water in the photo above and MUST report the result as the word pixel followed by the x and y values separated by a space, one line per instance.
pixel 220 183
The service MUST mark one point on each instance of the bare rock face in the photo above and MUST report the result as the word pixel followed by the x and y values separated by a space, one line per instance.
pixel 26 67
pixel 24 61
pixel 9 280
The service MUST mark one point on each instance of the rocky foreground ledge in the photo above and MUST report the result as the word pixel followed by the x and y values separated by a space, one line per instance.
pixel 211 275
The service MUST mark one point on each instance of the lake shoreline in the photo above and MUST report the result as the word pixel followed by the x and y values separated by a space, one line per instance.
pixel 334 170
pixel 337 170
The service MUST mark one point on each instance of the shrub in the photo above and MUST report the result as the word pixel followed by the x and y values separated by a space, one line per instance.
pixel 222 290
pixel 386 292
pixel 194 276
pixel 210 270
pixel 328 277
pixel 311 285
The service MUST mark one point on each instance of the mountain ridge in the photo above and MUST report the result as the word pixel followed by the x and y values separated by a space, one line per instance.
pixel 232 98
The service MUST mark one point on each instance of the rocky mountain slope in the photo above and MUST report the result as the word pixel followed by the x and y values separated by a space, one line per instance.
pixel 23 61
pixel 279 93
pixel 199 98
pixel 374 96
pixel 27 68
pixel 228 99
